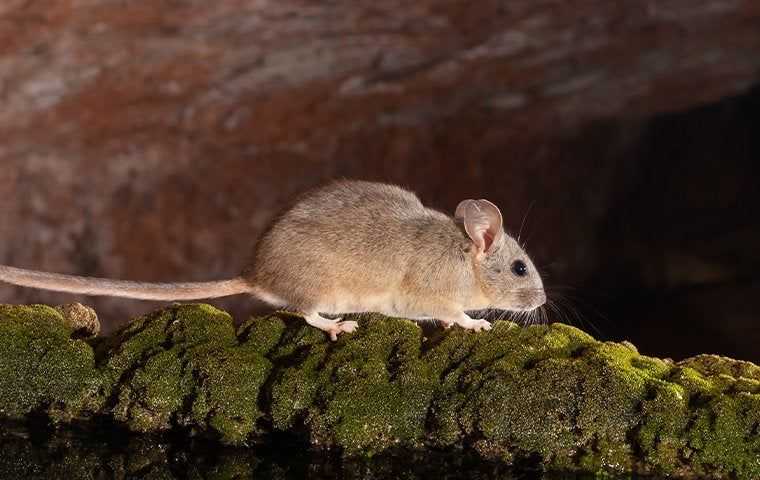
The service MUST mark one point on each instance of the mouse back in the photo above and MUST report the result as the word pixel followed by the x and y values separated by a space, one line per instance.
pixel 344 239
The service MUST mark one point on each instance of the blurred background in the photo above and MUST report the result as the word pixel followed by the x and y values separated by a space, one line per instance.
pixel 154 141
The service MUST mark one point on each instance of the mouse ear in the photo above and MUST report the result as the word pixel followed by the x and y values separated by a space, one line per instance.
pixel 482 221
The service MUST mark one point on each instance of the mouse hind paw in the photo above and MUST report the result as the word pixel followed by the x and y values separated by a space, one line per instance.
pixel 333 327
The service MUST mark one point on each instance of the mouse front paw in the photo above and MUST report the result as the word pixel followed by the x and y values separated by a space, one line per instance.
pixel 479 325
pixel 473 324
pixel 342 326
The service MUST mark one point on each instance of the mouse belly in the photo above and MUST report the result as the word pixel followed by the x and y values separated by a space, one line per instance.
pixel 385 303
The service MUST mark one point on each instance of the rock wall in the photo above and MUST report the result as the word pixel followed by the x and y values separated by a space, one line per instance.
pixel 154 140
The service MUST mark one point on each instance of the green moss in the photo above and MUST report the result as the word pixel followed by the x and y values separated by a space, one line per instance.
pixel 368 392
pixel 712 365
pixel 185 367
pixel 547 392
pixel 724 433
pixel 42 369
pixel 297 380
pixel 664 417
pixel 261 335
pixel 512 374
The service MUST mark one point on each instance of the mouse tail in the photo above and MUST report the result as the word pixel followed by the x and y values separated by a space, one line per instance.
pixel 123 288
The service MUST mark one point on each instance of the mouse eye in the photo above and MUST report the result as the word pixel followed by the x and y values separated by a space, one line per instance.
pixel 519 268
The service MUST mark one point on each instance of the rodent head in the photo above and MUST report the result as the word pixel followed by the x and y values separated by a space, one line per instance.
pixel 507 275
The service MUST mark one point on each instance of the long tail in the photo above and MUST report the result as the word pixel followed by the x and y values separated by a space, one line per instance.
pixel 122 288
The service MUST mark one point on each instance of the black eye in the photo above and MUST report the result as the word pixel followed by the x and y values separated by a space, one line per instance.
pixel 519 268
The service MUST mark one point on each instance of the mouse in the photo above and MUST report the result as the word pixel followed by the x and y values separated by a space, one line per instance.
pixel 355 246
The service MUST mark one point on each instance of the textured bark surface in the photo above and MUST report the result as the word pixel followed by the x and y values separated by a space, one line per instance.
pixel 550 395
pixel 154 140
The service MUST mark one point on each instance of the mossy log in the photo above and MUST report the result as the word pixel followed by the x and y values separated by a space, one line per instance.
pixel 550 392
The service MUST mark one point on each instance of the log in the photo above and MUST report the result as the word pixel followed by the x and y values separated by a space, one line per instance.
pixel 545 392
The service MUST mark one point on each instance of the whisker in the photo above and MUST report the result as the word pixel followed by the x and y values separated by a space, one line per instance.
pixel 569 300
pixel 558 311
pixel 589 307
pixel 525 217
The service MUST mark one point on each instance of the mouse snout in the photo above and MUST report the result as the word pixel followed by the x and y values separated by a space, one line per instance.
pixel 525 300
pixel 541 299
pixel 536 299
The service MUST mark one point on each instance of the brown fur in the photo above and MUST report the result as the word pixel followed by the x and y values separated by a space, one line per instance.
pixel 365 240
pixel 355 246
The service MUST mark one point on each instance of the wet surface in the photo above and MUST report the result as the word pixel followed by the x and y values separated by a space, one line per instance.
pixel 40 453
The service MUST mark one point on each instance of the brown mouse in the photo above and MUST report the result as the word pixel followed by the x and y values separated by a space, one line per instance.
pixel 357 246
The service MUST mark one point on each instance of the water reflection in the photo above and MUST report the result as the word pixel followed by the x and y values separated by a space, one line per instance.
pixel 28 454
